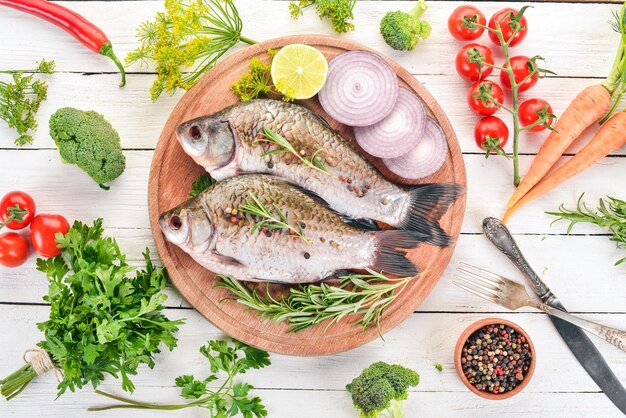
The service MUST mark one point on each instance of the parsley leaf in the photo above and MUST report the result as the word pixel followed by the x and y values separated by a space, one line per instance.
pixel 102 319
pixel 226 358
pixel 200 185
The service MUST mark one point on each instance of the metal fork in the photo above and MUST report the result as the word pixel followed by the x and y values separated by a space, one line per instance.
pixel 512 295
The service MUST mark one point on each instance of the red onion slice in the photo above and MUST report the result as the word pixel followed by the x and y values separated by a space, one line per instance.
pixel 399 132
pixel 360 89
pixel 426 158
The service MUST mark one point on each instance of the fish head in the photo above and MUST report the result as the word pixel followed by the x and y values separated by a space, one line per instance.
pixel 188 226
pixel 209 140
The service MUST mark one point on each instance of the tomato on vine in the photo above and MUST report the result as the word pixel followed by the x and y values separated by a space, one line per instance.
pixel 483 96
pixel 13 249
pixel 470 62
pixel 512 24
pixel 536 111
pixel 17 210
pixel 491 135
pixel 522 67
pixel 457 23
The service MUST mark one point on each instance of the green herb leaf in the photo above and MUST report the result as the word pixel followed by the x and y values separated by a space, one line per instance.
pixel 103 320
pixel 186 40
pixel 229 359
pixel 21 98
pixel 200 185
pixel 338 12
pixel 364 295
pixel 611 214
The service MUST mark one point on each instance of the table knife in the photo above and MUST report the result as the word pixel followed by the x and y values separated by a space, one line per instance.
pixel 578 342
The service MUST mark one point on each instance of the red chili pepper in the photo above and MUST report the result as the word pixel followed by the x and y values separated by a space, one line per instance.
pixel 80 28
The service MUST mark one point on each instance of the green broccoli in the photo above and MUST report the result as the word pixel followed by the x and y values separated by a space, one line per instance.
pixel 380 390
pixel 87 139
pixel 402 31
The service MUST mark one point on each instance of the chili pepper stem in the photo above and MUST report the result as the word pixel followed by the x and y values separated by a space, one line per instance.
pixel 107 51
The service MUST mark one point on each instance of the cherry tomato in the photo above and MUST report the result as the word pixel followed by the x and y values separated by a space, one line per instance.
pixel 42 231
pixel 476 103
pixel 8 210
pixel 491 134
pixel 469 70
pixel 503 17
pixel 13 249
pixel 519 64
pixel 530 110
pixel 455 23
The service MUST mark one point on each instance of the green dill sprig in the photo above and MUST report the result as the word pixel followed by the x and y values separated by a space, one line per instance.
pixel 268 219
pixel 188 34
pixel 611 214
pixel 257 82
pixel 20 100
pixel 229 400
pixel 201 184
pixel 364 295
pixel 271 136
pixel 339 12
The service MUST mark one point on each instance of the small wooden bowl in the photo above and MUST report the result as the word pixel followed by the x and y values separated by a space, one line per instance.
pixel 459 349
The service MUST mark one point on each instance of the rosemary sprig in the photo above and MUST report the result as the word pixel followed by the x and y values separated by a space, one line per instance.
pixel 268 219
pixel 271 136
pixel 366 295
pixel 611 214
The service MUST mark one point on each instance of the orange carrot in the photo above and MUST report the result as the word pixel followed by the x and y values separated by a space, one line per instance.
pixel 589 106
pixel 610 138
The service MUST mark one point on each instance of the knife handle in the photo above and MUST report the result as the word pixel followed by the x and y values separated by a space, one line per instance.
pixel 615 336
pixel 501 237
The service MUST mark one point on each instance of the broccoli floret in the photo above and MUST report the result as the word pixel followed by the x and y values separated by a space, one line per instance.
pixel 87 139
pixel 402 31
pixel 381 388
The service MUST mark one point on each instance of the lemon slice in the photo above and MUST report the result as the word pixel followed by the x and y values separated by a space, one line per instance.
pixel 299 71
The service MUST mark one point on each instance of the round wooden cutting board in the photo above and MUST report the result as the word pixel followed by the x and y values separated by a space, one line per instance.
pixel 172 173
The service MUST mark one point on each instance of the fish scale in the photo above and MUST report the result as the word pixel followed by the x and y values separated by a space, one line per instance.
pixel 230 142
pixel 232 247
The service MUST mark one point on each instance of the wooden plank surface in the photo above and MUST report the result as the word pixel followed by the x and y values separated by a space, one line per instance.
pixel 577 44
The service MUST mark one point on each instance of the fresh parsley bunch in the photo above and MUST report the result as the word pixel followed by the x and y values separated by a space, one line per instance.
pixel 102 321
pixel 229 399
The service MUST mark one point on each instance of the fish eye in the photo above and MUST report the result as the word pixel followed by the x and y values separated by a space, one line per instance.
pixel 195 132
pixel 176 223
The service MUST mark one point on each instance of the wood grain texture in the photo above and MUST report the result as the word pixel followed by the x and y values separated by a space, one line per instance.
pixel 171 166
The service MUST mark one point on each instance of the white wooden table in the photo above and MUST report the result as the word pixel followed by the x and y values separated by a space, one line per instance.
pixel 579 47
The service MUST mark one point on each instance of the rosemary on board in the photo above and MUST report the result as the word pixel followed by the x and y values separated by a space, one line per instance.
pixel 365 295
pixel 271 136
pixel 268 219
pixel 611 214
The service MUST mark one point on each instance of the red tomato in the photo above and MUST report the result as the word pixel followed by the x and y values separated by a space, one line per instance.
pixel 491 134
pixel 13 249
pixel 469 70
pixel 8 209
pixel 476 103
pixel 519 64
pixel 455 23
pixel 503 17
pixel 531 109
pixel 42 231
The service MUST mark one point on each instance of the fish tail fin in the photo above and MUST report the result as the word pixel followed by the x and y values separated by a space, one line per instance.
pixel 427 204
pixel 388 259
